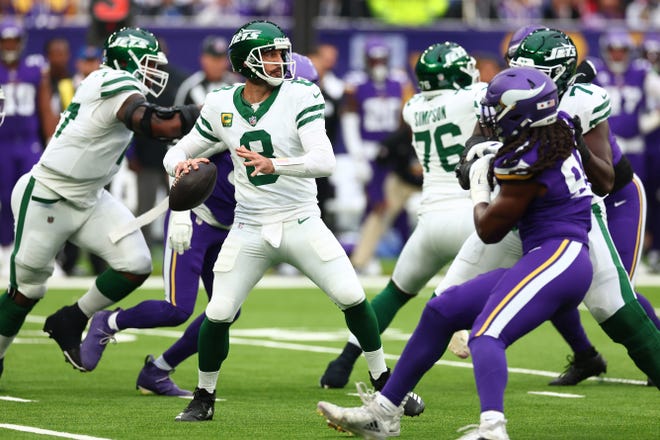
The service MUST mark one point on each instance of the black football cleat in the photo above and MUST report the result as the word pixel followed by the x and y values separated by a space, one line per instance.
pixel 413 405
pixel 578 370
pixel 66 327
pixel 200 408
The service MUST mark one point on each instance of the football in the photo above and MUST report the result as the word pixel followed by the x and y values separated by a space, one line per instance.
pixel 192 189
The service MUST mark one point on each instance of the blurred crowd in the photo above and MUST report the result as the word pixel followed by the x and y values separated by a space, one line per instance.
pixel 637 14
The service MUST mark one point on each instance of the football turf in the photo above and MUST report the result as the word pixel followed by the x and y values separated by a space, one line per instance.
pixel 268 387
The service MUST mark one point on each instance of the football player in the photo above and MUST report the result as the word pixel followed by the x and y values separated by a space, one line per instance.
pixel 544 193
pixel 373 100
pixel 273 126
pixel 63 197
pixel 611 298
pixel 30 120
pixel 441 116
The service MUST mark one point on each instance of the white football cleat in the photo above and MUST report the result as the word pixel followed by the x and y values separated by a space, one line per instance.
pixel 488 430
pixel 370 421
pixel 459 344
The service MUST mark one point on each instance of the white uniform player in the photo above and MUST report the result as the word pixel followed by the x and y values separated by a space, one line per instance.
pixel 275 130
pixel 63 197
pixel 442 117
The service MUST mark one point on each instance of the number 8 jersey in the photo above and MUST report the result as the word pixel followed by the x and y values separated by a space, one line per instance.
pixel 273 129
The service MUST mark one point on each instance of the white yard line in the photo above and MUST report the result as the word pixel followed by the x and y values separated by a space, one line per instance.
pixel 33 430
pixel 548 393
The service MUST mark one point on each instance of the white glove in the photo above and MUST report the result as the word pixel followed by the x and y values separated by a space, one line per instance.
pixel 483 148
pixel 180 231
pixel 479 185
pixel 363 171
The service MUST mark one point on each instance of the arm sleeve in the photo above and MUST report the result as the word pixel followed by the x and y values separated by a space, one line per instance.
pixel 318 160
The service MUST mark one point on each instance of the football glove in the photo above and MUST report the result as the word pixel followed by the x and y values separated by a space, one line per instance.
pixel 480 186
pixel 180 231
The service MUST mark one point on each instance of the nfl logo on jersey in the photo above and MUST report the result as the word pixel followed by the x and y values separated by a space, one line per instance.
pixel 253 120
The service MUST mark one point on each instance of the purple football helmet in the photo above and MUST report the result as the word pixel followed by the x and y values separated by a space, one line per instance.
pixel 11 29
pixel 613 41
pixel 518 36
pixel 304 68
pixel 517 98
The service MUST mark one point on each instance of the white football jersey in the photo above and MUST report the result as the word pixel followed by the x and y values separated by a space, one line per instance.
pixel 272 129
pixel 588 101
pixel 441 125
pixel 89 142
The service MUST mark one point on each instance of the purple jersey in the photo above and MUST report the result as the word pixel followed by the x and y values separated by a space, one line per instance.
pixel 221 202
pixel 565 209
pixel 21 85
pixel 379 105
pixel 626 97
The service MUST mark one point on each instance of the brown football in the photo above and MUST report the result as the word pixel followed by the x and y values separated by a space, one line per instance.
pixel 192 189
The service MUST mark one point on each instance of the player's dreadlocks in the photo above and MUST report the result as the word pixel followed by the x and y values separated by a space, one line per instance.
pixel 554 142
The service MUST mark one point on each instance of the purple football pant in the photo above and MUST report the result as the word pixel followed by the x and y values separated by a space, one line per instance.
pixel 500 307
pixel 182 274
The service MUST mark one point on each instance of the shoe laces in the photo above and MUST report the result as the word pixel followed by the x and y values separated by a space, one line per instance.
pixel 108 338
pixel 367 395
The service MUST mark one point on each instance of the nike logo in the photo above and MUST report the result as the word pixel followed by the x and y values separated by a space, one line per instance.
pixel 619 203
pixel 316 95
pixel 302 220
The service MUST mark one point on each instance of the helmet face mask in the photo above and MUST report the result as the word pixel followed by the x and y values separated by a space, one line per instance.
pixel 551 52
pixel 445 66
pixel 137 51
pixel 517 98
pixel 251 42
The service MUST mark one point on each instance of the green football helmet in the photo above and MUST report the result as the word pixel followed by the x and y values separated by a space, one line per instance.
pixel 445 66
pixel 250 41
pixel 137 51
pixel 552 52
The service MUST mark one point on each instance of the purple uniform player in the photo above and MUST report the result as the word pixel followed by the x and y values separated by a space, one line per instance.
pixel 189 256
pixel 27 95
pixel 374 99
pixel 650 125
pixel 624 78
pixel 545 193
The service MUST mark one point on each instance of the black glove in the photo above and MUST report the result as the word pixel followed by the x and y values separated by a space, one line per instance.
pixel 579 140
pixel 462 170
pixel 585 72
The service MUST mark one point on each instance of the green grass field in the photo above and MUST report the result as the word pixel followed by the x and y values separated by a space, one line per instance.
pixel 269 384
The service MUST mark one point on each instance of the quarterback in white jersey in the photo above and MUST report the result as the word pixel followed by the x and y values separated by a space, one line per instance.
pixel 273 125
pixel 442 117
pixel 63 197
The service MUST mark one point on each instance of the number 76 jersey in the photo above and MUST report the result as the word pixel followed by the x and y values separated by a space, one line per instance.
pixel 441 124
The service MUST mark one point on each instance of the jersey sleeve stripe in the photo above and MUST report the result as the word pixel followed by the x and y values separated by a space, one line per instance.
pixel 313 108
pixel 513 176
pixel 106 93
pixel 118 80
pixel 206 123
pixel 310 119
pixel 205 133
